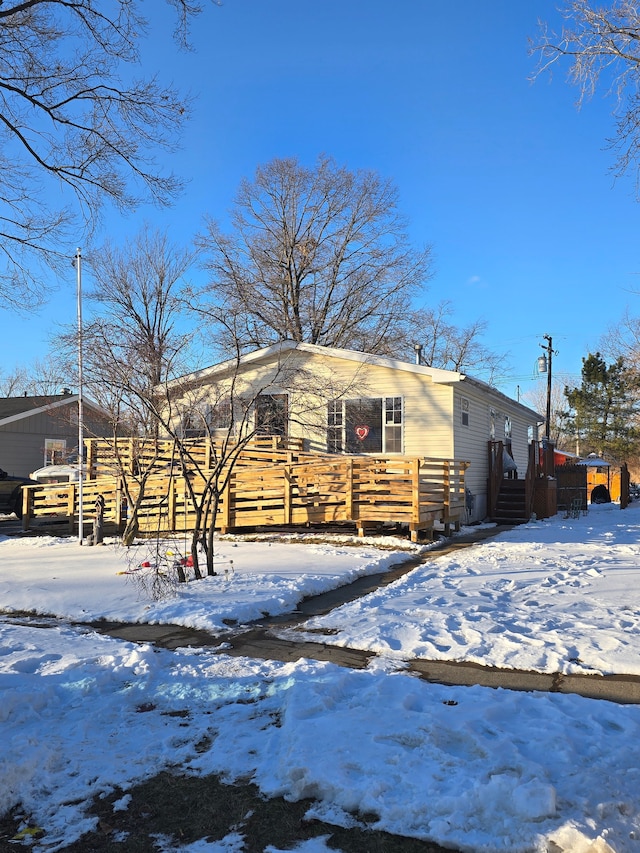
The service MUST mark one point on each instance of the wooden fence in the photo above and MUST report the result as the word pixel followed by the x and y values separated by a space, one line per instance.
pixel 572 487
pixel 272 488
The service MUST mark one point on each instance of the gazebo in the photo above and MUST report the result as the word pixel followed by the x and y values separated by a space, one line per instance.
pixel 599 475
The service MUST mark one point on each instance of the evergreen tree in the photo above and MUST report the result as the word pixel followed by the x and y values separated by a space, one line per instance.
pixel 603 410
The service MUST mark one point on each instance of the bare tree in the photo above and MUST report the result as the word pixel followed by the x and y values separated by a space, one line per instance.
pixel 451 347
pixel 622 340
pixel 319 255
pixel 136 339
pixel 76 125
pixel 137 328
pixel 220 416
pixel 43 378
pixel 602 45
pixel 536 399
pixel 15 383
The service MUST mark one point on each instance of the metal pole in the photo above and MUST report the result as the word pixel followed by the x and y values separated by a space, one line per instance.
pixel 78 260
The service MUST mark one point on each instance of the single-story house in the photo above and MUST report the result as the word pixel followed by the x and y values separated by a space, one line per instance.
pixel 343 401
pixel 43 430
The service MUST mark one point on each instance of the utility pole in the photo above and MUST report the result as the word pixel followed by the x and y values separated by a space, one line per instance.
pixel 549 351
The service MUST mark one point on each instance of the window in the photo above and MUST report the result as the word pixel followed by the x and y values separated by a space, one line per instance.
pixel 464 409
pixel 193 424
pixel 220 415
pixel 202 419
pixel 335 426
pixel 55 451
pixel 393 424
pixel 365 425
pixel 271 414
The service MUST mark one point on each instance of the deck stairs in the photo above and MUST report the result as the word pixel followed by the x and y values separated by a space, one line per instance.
pixel 511 503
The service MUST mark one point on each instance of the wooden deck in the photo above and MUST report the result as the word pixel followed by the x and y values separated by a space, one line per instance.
pixel 267 487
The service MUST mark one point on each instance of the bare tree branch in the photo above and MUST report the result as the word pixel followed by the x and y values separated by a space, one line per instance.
pixel 601 43
pixel 136 336
pixel 76 125
pixel 318 255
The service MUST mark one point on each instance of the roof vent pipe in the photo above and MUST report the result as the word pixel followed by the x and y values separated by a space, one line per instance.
pixel 418 349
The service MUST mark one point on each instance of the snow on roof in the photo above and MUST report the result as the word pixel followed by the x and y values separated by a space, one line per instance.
pixel 594 461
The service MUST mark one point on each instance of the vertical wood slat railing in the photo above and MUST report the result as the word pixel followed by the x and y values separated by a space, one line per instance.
pixel 530 477
pixel 321 489
pixel 496 475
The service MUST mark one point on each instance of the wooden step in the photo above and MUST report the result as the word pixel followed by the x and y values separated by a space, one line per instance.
pixel 511 503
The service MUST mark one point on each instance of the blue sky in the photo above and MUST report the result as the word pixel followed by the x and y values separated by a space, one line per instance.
pixel 507 180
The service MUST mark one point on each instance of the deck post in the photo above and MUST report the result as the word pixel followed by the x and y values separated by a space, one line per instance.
pixel 91 458
pixel 348 498
pixel 446 485
pixel 415 499
pixel 287 494
pixel 171 504
pixel 118 507
pixel 27 503
pixel 225 515
pixel 71 509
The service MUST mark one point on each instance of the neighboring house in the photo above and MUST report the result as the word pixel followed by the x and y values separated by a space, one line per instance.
pixel 342 401
pixel 43 430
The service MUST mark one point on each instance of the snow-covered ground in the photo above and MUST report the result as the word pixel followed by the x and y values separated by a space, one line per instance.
pixel 473 768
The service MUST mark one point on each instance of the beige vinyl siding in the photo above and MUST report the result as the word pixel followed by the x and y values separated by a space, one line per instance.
pixel 311 380
pixel 428 422
pixel 431 403
pixel 471 442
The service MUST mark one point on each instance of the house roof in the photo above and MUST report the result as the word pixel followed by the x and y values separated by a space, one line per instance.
pixel 17 408
pixel 280 350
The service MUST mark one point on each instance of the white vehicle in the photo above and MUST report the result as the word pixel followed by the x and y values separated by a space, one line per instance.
pixel 56 474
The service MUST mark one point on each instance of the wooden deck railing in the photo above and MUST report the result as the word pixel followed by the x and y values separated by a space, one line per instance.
pixel 107 458
pixel 496 472
pixel 293 489
pixel 530 478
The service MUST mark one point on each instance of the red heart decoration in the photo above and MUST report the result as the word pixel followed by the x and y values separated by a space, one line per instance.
pixel 362 432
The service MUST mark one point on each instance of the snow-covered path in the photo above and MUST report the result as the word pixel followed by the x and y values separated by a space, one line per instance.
pixel 561 596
